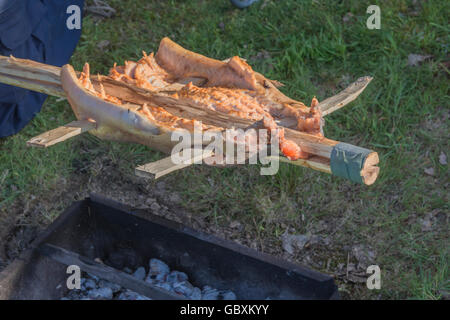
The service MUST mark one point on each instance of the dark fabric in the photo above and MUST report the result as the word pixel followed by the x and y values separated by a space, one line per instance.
pixel 36 30
pixel 5 4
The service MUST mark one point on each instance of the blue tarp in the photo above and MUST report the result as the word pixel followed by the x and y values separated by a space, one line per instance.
pixel 36 30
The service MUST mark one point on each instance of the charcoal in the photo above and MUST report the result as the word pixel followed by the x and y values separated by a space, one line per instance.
pixel 209 293
pixel 73 294
pixel 228 295
pixel 156 278
pixel 100 294
pixel 139 273
pixel 158 271
pixel 164 285
pixel 93 277
pixel 196 294
pixel 107 284
pixel 89 284
pixel 127 270
pixel 93 288
pixel 158 267
pixel 176 276
pixel 184 288
pixel 131 295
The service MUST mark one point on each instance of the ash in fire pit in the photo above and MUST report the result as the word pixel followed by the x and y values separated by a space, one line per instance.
pixel 93 288
pixel 159 274
pixel 96 229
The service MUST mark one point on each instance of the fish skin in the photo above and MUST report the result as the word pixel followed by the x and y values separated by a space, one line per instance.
pixel 183 63
pixel 88 106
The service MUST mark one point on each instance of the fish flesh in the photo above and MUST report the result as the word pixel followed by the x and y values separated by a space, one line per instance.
pixel 226 87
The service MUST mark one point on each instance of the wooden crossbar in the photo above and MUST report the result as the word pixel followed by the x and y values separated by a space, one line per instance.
pixel 60 134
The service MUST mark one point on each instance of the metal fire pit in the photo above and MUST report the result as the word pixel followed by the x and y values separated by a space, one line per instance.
pixel 99 228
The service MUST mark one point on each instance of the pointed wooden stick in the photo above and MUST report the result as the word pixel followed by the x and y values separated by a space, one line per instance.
pixel 344 97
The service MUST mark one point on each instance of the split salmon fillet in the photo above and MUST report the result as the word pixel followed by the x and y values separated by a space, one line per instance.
pixel 228 87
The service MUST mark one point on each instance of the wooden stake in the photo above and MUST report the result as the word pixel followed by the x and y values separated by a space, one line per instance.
pixel 344 97
pixel 60 134
pixel 315 163
pixel 370 170
pixel 159 168
pixel 31 75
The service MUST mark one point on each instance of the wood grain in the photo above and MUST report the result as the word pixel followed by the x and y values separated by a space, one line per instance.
pixel 159 168
pixel 60 134
pixel 344 97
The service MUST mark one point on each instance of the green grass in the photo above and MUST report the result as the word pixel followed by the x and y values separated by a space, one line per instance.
pixel 403 114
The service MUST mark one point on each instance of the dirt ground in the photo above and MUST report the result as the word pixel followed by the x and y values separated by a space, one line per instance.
pixel 30 216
